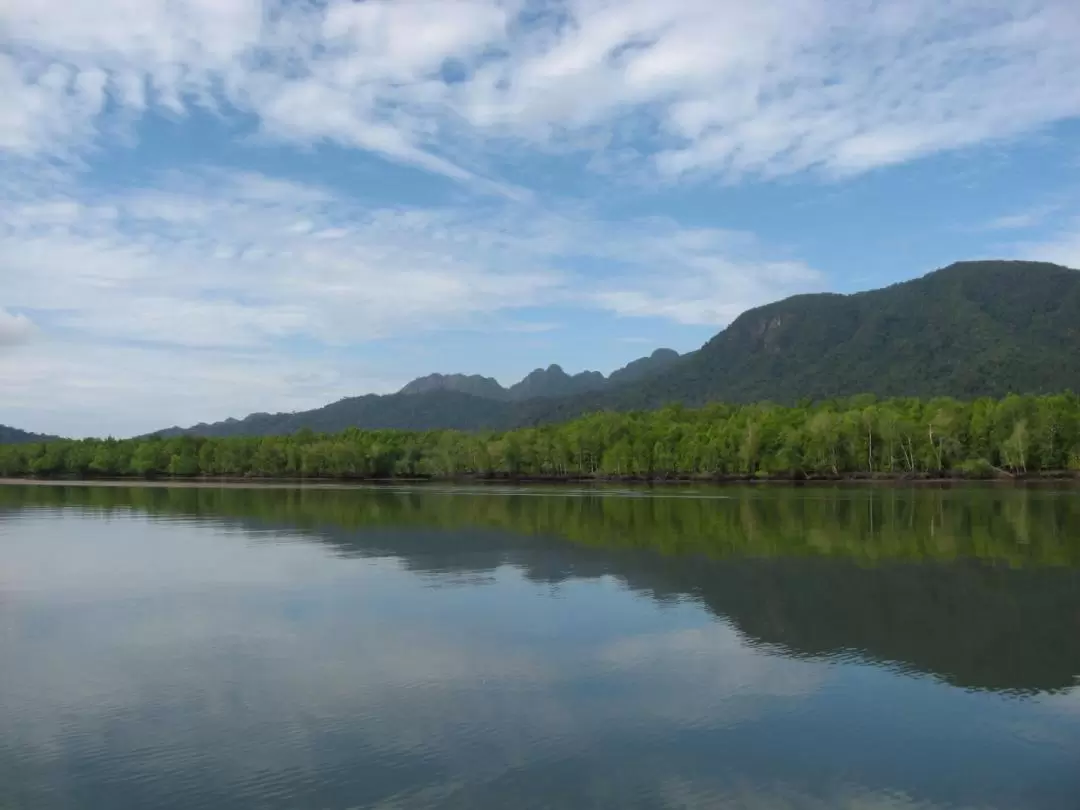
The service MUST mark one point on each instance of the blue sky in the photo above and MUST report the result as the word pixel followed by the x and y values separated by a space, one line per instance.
pixel 213 207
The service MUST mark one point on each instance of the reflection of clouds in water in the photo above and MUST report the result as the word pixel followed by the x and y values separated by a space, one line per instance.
pixel 333 655
pixel 708 676
pixel 198 653
pixel 295 658
pixel 739 794
pixel 1043 727
pixel 77 553
pixel 1068 701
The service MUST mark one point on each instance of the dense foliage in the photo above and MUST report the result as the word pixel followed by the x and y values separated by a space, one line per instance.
pixel 970 330
pixel 1012 436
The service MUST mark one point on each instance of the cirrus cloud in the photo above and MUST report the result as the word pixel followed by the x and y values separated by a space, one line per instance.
pixel 194 297
pixel 688 86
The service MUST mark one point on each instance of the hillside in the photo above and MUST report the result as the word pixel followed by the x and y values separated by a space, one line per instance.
pixel 972 329
pixel 463 383
pixel 431 410
pixel 10 435
pixel 543 382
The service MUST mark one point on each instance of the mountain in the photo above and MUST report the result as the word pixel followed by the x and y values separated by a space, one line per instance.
pixel 656 362
pixel 554 382
pixel 464 383
pixel 10 435
pixel 449 410
pixel 543 382
pixel 971 329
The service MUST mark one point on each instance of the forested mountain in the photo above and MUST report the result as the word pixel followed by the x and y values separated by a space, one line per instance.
pixel 543 382
pixel 463 383
pixel 656 362
pixel 443 409
pixel 10 435
pixel 971 329
pixel 554 382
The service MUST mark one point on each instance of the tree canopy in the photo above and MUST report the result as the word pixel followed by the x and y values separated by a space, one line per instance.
pixel 862 435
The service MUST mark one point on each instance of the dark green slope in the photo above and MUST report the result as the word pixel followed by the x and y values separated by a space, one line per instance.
pixel 473 384
pixel 972 329
pixel 10 435
pixel 554 382
pixel 449 410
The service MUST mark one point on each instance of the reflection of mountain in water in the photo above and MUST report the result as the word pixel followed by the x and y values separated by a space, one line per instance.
pixel 976 587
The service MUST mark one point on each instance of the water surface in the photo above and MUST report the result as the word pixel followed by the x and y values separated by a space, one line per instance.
pixel 682 648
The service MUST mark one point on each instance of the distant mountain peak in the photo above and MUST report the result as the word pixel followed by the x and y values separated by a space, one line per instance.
pixel 465 383
pixel 10 435
pixel 549 381
pixel 655 363
pixel 971 329
pixel 554 382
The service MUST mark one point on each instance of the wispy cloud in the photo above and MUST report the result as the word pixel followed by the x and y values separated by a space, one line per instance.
pixel 213 271
pixel 80 387
pixel 14 328
pixel 685 86
pixel 1022 220
pixel 240 260
pixel 1063 247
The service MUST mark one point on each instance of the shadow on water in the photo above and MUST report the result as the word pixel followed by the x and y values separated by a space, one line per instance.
pixel 974 586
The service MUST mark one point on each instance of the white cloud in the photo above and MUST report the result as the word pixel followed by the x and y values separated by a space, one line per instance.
pixel 700 276
pixel 690 86
pixel 1061 248
pixel 180 301
pixel 14 328
pixel 1024 219
pixel 239 260
pixel 1009 222
pixel 219 261
pixel 79 388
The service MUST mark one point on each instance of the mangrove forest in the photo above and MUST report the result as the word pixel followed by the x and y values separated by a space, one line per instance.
pixel 862 436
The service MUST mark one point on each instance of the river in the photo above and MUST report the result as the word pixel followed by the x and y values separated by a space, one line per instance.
pixel 441 647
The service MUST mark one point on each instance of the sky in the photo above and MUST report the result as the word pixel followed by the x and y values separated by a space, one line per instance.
pixel 215 207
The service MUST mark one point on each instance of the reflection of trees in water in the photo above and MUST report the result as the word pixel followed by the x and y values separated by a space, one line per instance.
pixel 980 587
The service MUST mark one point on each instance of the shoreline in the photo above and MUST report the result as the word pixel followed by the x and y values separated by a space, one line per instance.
pixel 1065 477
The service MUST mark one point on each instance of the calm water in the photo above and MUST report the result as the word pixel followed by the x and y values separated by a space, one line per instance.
pixel 767 648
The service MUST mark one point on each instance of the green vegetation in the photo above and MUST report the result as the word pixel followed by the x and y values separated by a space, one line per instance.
pixel 974 329
pixel 1014 436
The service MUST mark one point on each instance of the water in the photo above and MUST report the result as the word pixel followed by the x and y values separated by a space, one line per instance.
pixel 331 649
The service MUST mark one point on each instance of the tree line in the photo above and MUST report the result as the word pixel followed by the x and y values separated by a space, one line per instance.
pixel 1013 436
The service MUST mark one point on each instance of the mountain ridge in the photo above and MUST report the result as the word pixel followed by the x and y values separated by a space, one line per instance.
pixel 971 329
pixel 551 381
pixel 10 435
